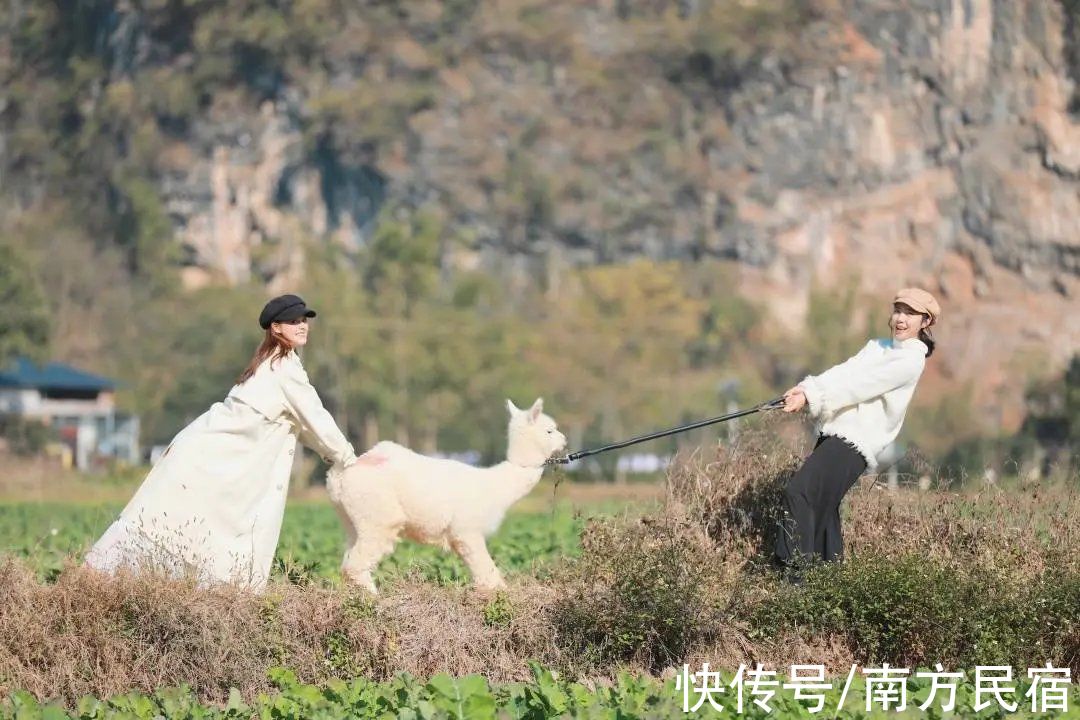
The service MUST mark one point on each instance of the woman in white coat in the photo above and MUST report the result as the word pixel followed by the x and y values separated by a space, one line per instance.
pixel 213 504
pixel 860 406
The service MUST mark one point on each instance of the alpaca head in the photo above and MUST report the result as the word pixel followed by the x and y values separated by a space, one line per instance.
pixel 533 435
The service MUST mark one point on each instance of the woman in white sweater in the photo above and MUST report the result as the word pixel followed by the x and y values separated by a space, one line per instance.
pixel 860 406
pixel 213 504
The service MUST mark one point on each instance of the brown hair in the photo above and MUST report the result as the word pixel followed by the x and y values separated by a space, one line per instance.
pixel 273 346
pixel 926 337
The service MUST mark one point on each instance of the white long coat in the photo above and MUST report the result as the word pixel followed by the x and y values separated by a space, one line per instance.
pixel 214 502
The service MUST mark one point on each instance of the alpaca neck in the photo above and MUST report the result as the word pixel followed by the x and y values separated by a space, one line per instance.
pixel 513 482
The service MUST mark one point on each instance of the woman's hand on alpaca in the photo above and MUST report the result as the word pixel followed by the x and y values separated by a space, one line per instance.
pixel 369 458
pixel 794 400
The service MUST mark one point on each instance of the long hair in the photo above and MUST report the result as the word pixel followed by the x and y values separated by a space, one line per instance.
pixel 926 337
pixel 272 346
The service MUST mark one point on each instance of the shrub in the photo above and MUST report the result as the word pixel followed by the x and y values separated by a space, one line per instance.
pixel 916 611
pixel 25 436
pixel 736 495
pixel 640 592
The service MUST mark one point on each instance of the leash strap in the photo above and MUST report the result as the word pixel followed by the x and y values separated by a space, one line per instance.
pixel 566 459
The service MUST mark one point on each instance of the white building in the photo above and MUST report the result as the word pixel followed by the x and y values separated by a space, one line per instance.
pixel 81 408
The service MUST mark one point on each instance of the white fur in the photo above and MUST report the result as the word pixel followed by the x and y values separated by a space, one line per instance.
pixel 437 501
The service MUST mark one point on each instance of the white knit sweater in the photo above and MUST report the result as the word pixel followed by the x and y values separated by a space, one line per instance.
pixel 863 399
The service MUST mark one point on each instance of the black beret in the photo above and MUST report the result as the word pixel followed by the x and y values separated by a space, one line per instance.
pixel 282 308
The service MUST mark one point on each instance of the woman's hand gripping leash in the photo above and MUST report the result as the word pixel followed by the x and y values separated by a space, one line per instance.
pixel 793 400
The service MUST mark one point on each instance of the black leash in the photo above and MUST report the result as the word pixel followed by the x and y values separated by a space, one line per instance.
pixel 566 459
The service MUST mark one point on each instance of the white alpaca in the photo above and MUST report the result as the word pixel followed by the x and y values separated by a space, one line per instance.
pixel 437 501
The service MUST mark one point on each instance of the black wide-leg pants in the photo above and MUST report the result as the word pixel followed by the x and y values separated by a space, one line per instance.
pixel 811 505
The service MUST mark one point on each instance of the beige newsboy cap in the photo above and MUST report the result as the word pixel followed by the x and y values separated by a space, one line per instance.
pixel 921 301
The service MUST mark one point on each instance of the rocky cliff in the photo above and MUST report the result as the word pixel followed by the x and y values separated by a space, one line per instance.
pixel 929 142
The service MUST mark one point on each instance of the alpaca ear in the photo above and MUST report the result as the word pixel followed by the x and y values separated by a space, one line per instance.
pixel 510 406
pixel 536 409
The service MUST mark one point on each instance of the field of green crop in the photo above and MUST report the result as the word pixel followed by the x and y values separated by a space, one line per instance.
pixel 50 534
pixel 545 696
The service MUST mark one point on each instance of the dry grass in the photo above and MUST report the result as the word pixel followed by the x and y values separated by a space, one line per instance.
pixel 734 492
pixel 40 480
pixel 89 634
pixel 708 538
pixel 1016 532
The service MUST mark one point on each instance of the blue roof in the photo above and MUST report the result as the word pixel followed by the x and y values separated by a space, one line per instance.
pixel 24 373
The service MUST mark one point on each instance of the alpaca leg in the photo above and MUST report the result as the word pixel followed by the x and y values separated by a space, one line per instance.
pixel 350 531
pixel 473 550
pixel 364 556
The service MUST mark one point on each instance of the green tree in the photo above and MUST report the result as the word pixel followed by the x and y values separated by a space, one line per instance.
pixel 403 353
pixel 25 323
pixel 1053 418
pixel 146 234
pixel 345 357
pixel 612 349
pixel 832 332
pixel 181 353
